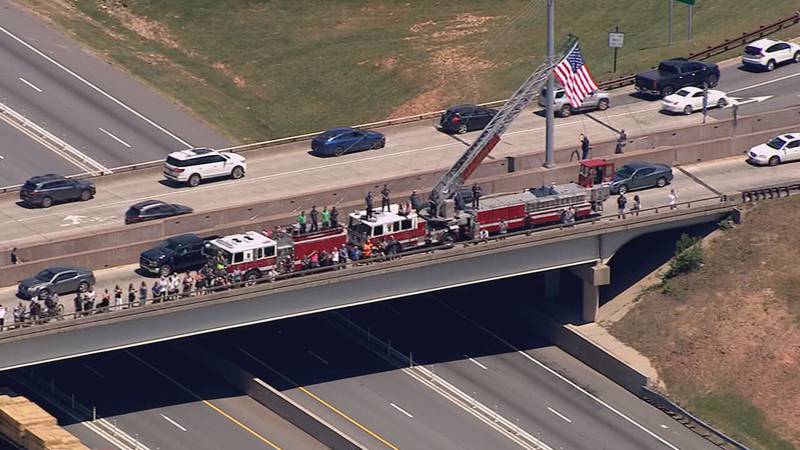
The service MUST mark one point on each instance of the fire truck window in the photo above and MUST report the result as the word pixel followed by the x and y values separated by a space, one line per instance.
pixel 258 253
pixel 406 224
pixel 269 251
pixel 377 230
pixel 396 226
pixel 238 257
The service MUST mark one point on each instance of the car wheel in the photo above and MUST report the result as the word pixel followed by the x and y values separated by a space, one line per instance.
pixel 722 103
pixel 565 111
pixel 774 161
pixel 377 145
pixel 47 202
pixel 194 180
pixel 667 90
pixel 623 189
pixel 687 110
pixel 165 270
pixel 237 172
pixel 83 286
pixel 797 57
pixel 661 182
pixel 602 105
pixel 462 129
pixel 712 80
pixel 43 294
pixel 770 65
pixel 338 151
pixel 85 195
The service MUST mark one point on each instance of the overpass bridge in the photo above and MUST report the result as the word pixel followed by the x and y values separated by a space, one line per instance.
pixel 585 249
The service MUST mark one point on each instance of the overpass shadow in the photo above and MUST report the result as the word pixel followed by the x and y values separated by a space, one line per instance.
pixel 439 329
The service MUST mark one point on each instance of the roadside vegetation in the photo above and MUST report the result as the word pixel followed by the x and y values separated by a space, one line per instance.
pixel 266 69
pixel 725 337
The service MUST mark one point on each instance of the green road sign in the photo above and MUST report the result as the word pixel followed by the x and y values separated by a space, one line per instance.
pixel 688 2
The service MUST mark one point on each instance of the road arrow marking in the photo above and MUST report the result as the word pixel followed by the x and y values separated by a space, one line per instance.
pixel 76 220
pixel 744 101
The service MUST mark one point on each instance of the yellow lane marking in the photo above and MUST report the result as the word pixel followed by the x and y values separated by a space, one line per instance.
pixel 350 419
pixel 243 426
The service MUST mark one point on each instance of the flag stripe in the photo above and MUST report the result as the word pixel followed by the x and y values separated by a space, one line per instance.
pixel 574 76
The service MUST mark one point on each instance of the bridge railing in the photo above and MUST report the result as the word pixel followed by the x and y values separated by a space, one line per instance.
pixel 225 284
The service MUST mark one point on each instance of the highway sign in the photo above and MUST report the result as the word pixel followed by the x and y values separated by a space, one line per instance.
pixel 688 2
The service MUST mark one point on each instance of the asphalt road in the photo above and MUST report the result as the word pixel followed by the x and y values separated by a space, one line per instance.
pixel 290 170
pixel 99 110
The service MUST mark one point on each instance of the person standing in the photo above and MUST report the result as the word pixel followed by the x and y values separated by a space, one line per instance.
pixel 78 303
pixel 415 202
pixel 326 218
pixel 568 218
pixel 503 228
pixel 672 198
pixel 621 141
pixel 584 146
pixel 334 218
pixel 385 198
pixel 2 317
pixel 476 196
pixel 368 201
pixel 622 201
pixel 637 205
pixel 314 215
pixel 118 297
pixel 335 257
pixel 14 258
pixel 142 293
pixel 301 222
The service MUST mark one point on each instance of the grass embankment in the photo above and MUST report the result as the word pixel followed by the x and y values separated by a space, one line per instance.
pixel 726 338
pixel 266 69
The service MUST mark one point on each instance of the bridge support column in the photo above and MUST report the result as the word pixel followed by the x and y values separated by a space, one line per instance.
pixel 552 284
pixel 592 277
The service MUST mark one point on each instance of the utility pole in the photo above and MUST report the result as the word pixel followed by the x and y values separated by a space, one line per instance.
pixel 671 3
pixel 689 22
pixel 549 160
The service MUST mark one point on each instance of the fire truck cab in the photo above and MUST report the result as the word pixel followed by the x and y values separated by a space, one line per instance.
pixel 407 229
pixel 252 253
pixel 594 172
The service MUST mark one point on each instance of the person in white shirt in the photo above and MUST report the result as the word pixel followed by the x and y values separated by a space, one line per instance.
pixel 672 198
pixel 2 316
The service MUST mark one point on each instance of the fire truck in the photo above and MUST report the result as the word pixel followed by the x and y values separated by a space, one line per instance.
pixel 255 254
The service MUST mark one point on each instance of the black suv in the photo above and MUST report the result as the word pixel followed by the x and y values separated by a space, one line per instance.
pixel 47 189
pixel 176 254
pixel 463 118
pixel 676 73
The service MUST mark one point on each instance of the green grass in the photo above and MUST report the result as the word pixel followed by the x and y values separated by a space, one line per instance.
pixel 740 419
pixel 305 65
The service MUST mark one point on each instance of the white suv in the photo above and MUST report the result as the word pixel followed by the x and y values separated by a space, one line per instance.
pixel 192 166
pixel 766 53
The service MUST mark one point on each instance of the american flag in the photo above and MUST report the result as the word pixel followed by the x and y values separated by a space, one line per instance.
pixel 575 77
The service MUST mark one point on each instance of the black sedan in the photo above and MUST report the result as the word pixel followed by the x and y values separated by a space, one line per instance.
pixel 61 280
pixel 640 175
pixel 154 209
pixel 463 118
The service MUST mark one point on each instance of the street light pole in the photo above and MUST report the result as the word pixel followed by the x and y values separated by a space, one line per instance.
pixel 549 160
pixel 670 21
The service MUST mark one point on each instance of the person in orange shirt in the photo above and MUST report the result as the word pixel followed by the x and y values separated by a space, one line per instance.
pixel 368 249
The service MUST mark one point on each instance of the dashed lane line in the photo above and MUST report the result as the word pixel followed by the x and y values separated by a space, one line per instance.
pixel 565 418
pixel 30 85
pixel 177 425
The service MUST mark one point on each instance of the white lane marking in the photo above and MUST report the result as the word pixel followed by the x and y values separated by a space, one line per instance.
pixel 476 363
pixel 664 426
pixel 564 379
pixel 318 357
pixel 115 138
pixel 410 416
pixel 33 86
pixel 88 83
pixel 93 370
pixel 567 419
pixel 179 426
pixel 764 83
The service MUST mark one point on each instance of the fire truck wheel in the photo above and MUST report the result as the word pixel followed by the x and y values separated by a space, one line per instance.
pixel 252 275
pixel 448 239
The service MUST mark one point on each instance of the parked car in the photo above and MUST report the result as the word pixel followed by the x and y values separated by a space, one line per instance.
pixel 154 209
pixel 768 53
pixel 464 118
pixel 674 74
pixel 46 190
pixel 597 100
pixel 640 175
pixel 783 148
pixel 197 164
pixel 690 99
pixel 338 141
pixel 176 254
pixel 61 280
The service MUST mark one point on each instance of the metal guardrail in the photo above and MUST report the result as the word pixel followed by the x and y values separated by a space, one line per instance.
pixel 690 421
pixel 770 192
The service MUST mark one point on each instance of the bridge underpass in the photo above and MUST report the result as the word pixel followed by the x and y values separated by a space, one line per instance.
pixel 582 247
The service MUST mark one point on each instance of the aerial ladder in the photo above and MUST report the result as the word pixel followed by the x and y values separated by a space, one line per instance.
pixel 454 178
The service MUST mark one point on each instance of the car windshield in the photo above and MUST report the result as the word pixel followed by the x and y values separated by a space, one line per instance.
pixel 172 244
pixel 776 143
pixel 178 162
pixel 667 68
pixel 624 172
pixel 45 275
pixel 682 93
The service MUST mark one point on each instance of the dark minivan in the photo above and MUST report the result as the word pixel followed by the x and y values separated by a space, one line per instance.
pixel 463 118
pixel 45 190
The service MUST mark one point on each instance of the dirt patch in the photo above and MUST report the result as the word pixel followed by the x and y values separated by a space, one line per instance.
pixel 431 100
pixel 733 326
pixel 463 25
pixel 238 80
pixel 142 26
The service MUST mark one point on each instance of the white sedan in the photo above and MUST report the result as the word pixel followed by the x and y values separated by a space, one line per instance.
pixel 785 147
pixel 690 99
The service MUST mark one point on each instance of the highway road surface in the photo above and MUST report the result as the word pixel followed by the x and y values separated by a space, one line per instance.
pixel 104 114
pixel 287 170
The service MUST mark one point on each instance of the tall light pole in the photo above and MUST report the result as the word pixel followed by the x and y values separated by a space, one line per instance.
pixel 671 4
pixel 549 160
